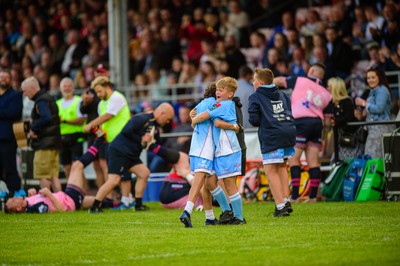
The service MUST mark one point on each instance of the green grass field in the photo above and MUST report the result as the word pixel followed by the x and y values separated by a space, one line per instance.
pixel 315 234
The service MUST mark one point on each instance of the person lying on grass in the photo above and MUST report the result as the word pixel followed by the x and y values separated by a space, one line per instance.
pixel 73 198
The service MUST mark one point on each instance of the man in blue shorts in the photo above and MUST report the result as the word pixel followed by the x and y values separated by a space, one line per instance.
pixel 270 111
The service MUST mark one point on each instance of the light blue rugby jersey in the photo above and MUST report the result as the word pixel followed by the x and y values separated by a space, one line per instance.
pixel 225 141
pixel 202 144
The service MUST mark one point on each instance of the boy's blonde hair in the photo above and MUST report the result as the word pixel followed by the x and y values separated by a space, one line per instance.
pixel 229 83
pixel 265 75
pixel 100 80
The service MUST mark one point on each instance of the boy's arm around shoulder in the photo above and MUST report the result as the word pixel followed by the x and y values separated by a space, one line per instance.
pixel 200 118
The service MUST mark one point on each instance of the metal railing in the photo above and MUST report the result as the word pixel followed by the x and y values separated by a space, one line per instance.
pixel 369 123
pixel 358 84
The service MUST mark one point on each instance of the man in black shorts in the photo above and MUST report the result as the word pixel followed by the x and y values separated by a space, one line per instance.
pixel 124 153
pixel 312 111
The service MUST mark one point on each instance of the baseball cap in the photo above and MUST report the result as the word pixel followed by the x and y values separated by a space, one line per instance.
pixel 101 68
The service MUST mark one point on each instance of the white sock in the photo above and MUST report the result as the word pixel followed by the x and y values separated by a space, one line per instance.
pixel 189 207
pixel 125 200
pixel 210 215
pixel 286 200
pixel 280 206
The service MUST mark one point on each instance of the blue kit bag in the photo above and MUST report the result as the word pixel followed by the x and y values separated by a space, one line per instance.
pixel 354 176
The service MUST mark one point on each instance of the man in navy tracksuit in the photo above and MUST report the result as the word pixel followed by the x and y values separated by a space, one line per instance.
pixel 270 110
pixel 10 112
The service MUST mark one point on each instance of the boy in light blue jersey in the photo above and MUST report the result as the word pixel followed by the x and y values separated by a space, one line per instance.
pixel 227 157
pixel 201 160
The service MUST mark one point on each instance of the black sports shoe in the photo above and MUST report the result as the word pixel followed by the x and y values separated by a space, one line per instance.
pixel 225 217
pixel 236 221
pixel 185 219
pixel 95 210
pixel 288 207
pixel 211 222
pixel 142 208
pixel 281 213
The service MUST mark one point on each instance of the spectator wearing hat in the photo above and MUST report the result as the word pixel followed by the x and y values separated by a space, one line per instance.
pixel 102 70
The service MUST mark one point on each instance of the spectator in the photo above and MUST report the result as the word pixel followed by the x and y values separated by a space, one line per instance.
pixel 44 134
pixel 359 31
pixel 239 19
pixel 313 25
pixel 234 56
pixel 287 20
pixel 10 112
pixel 244 90
pixel 168 47
pixel 390 31
pixel 339 18
pixel 57 51
pixel 189 71
pixel 193 32
pixel 343 111
pixel 375 23
pixel 377 108
pixel 339 54
pixel 254 54
pixel 71 125
pixel 298 64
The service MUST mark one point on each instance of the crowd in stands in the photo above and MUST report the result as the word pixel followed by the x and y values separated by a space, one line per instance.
pixel 197 41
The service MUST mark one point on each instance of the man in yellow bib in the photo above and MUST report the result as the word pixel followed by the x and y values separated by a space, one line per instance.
pixel 114 113
pixel 71 125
